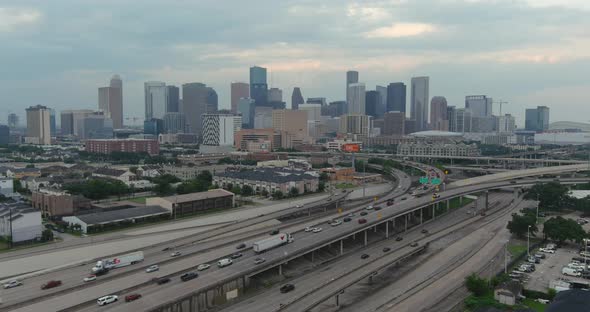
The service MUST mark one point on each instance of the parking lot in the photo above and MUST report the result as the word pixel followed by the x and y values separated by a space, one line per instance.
pixel 550 268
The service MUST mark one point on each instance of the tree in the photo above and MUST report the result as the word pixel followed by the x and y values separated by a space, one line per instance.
pixel 30 166
pixel 205 176
pixel 476 285
pixel 277 195
pixel 560 230
pixel 133 169
pixel 321 186
pixel 552 196
pixel 264 193
pixel 47 235
pixel 236 190
pixel 247 190
pixel 324 177
pixel 163 189
pixel 520 224
pixel 293 191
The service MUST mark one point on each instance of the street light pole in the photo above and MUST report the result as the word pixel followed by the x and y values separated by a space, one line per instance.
pixel 528 240
pixel 506 258
pixel 537 220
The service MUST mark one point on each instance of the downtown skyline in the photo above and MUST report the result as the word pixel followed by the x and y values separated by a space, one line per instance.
pixel 547 68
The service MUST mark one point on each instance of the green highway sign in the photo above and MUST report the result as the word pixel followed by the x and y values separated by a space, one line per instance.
pixel 423 180
pixel 435 181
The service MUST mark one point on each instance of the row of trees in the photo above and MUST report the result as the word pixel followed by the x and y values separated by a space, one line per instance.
pixel 127 158
pixel 99 188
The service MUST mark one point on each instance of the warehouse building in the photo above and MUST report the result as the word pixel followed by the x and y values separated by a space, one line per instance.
pixel 95 222
pixel 270 179
pixel 187 204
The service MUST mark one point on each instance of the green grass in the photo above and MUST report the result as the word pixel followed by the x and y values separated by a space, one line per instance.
pixel 516 249
pixel 456 202
pixel 537 306
pixel 139 200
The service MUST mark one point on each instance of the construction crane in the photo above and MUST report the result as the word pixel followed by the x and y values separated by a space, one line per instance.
pixel 500 102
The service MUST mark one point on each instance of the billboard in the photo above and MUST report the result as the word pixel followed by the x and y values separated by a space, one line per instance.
pixel 351 148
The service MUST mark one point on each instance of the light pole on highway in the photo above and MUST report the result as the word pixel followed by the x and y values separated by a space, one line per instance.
pixel 537 220
pixel 528 241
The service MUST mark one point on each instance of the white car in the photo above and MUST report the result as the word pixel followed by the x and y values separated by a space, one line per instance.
pixel 13 283
pixel 308 229
pixel 317 230
pixel 299 206
pixel 336 223
pixel 203 266
pixel 545 250
pixel 175 254
pixel 370 207
pixel 152 268
pixel 107 299
pixel 90 278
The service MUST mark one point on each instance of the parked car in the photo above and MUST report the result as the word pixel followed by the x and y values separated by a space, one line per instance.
pixel 175 254
pixel 162 281
pixel 236 255
pixel 364 256
pixel 203 267
pixel 107 299
pixel 241 246
pixel 188 276
pixel 287 288
pixel 540 256
pixel 404 198
pixel 362 221
pixel 386 249
pixel 132 297
pixel 259 260
pixel 90 278
pixel 12 284
pixel 152 268
pixel 399 238
pixel 424 231
pixel 299 206
pixel 51 284
pixel 545 250
pixel 350 215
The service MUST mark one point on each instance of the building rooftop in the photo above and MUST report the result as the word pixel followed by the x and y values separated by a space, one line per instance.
pixel 198 196
pixel 436 133
pixel 121 214
pixel 18 209
pixel 109 172
pixel 573 300
pixel 274 175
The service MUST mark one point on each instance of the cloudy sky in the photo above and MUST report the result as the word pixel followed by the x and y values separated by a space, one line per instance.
pixel 526 52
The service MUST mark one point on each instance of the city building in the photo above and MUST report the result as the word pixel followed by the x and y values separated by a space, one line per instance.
pixel 275 95
pixel 293 122
pixel 12 120
pixel 314 111
pixel 218 131
pixel 537 119
pixel 438 114
pixel 174 122
pixel 425 149
pixel 356 98
pixel 262 117
pixel 38 128
pixel 194 104
pixel 317 100
pixel 153 126
pixel 94 221
pixel 151 147
pixel 155 99
pixel 334 109
pixel 52 125
pixel 396 97
pixel 270 180
pixel 257 140
pixel 419 102
pixel 212 101
pixel 479 105
pixel 4 135
pixel 56 203
pixel 172 99
pixel 6 186
pixel 409 126
pixel 462 120
pixel 296 98
pixel 382 105
pixel 483 124
pixel 355 124
pixel 238 90
pixel 372 103
pixel 178 138
pixel 452 118
pixel 94 126
pixel 20 221
pixel 246 107
pixel 187 204
pixel 394 123
pixel 110 101
pixel 351 77
pixel 70 119
pixel 258 85
pixel 336 145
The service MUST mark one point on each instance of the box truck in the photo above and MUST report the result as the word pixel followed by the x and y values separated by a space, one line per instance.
pixel 272 242
pixel 118 261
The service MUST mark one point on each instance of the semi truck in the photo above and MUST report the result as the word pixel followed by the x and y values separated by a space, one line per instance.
pixel 117 262
pixel 272 242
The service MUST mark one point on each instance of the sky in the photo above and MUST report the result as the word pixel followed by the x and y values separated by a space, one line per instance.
pixel 524 52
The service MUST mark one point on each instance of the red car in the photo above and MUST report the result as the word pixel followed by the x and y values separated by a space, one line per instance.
pixel 361 221
pixel 51 284
pixel 389 202
pixel 132 297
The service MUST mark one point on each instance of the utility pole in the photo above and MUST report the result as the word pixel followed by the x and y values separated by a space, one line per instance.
pixel 10 216
pixel 528 241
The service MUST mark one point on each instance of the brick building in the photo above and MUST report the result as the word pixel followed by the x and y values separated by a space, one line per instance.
pixel 108 146
pixel 55 203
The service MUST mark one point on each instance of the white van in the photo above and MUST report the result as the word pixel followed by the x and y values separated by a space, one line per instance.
pixel 224 262
pixel 570 272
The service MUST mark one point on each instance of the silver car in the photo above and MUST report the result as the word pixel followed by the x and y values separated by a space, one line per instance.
pixel 12 284
pixel 152 268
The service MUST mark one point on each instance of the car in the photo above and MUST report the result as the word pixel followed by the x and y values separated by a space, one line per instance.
pixel 299 206
pixel 259 260
pixel 370 207
pixel 364 256
pixel 188 276
pixel 364 213
pixel 336 223
pixel 540 256
pixel 175 254
pixel 90 278
pixel 12 284
pixel 424 231
pixel 404 198
pixel 241 246
pixel 545 250
pixel 308 229
pixel 378 208
pixel 236 255
pixel 362 221
pixel 274 232
pixel 347 219
pixel 152 268
pixel 350 215
pixel 414 244
pixel 51 284
pixel 162 281
pixel 389 202
pixel 435 195
pixel 512 182
pixel 107 299
pixel 399 238
pixel 386 249
pixel 317 230
pixel 224 262
pixel 166 249
pixel 514 275
pixel 132 297
pixel 203 267
pixel 287 288
pixel 343 191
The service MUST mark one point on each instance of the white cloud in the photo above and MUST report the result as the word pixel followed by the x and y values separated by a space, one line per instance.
pixel 367 14
pixel 10 18
pixel 398 30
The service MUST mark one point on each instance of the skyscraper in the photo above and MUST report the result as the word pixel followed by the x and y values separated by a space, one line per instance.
pixel 352 76
pixel 438 114
pixel 38 128
pixel 52 125
pixel 212 101
pixel 110 101
pixel 419 102
pixel 480 105
pixel 537 119
pixel 372 102
pixel 69 120
pixel 194 104
pixel 382 106
pixel 275 95
pixel 238 90
pixel 4 135
pixel 155 99
pixel 246 108
pixel 505 124
pixel 296 98
pixel 356 98
pixel 219 129
pixel 172 99
pixel 258 85
pixel 394 123
pixel 396 97
pixel 12 120
pixel 174 123
pixel 452 117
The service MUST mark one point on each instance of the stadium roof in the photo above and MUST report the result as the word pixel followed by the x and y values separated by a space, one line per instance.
pixel 436 133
